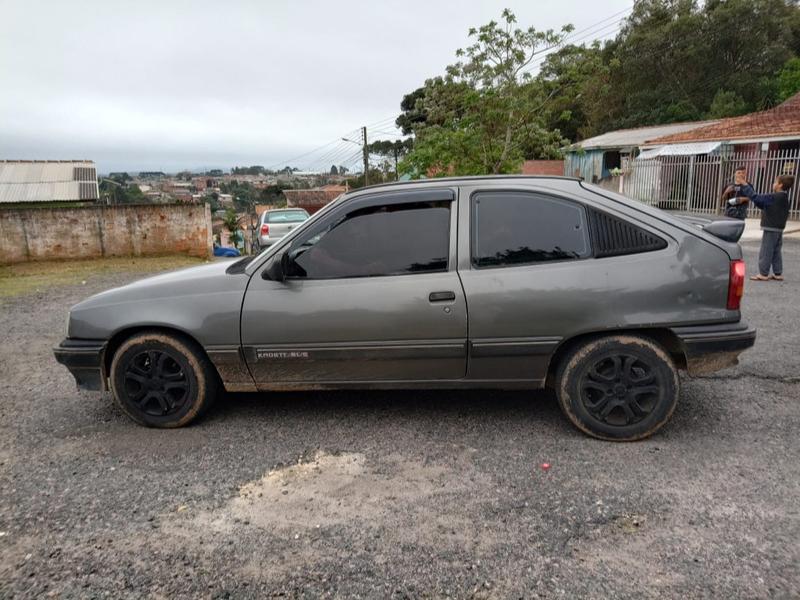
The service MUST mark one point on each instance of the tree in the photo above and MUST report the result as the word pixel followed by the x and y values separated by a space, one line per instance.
pixel 253 170
pixel 482 116
pixel 334 170
pixel 114 192
pixel 413 113
pixel 727 103
pixel 673 57
pixel 673 60
pixel 375 176
pixel 788 83
pixel 231 223
pixel 391 149
pixel 273 194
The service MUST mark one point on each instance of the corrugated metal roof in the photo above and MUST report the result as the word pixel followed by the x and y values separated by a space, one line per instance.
pixel 632 138
pixel 681 149
pixel 47 180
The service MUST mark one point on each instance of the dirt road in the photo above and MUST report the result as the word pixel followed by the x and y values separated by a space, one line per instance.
pixel 417 494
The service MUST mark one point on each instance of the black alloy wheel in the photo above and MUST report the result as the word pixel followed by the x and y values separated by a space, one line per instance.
pixel 618 387
pixel 162 380
pixel 156 382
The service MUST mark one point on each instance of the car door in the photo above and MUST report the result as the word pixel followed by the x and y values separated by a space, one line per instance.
pixel 372 295
pixel 526 275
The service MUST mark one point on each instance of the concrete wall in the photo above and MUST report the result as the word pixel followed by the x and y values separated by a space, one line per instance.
pixel 91 232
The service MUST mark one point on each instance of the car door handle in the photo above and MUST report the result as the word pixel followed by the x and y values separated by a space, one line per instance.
pixel 441 296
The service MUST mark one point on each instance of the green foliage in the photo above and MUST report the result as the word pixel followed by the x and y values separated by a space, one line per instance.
pixel 675 60
pixel 788 83
pixel 391 152
pixel 375 176
pixel 414 113
pixel 273 194
pixel 254 170
pixel 727 103
pixel 485 115
pixel 231 221
pixel 112 191
pixel 244 194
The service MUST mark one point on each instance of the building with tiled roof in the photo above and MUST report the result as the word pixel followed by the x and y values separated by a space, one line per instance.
pixel 779 124
pixel 595 158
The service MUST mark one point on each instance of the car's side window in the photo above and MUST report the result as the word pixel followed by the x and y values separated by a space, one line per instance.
pixel 374 241
pixel 517 228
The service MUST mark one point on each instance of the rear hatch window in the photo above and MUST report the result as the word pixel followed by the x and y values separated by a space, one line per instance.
pixel 289 216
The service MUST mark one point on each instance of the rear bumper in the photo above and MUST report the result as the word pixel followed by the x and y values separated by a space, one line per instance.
pixel 709 348
pixel 84 359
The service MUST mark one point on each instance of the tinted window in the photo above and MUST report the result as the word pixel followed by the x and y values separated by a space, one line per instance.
pixel 379 240
pixel 288 216
pixel 511 228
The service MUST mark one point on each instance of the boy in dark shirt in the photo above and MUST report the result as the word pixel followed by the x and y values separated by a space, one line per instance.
pixel 774 213
pixel 735 198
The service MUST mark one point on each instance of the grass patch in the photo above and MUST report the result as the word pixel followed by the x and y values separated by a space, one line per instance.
pixel 23 278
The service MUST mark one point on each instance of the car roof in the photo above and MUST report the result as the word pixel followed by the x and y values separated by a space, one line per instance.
pixel 464 179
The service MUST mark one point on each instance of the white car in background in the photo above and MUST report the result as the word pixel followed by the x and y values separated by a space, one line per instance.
pixel 274 224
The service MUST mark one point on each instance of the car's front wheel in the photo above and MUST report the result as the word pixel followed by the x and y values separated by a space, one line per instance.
pixel 160 380
pixel 619 388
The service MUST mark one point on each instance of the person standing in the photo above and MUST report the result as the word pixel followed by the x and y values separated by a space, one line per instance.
pixel 735 197
pixel 774 214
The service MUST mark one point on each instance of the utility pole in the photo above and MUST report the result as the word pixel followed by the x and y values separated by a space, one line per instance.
pixel 366 157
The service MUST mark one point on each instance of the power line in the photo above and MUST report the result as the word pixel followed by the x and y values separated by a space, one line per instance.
pixel 342 147
pixel 569 39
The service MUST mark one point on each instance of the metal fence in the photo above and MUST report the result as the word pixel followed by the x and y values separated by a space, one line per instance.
pixel 695 183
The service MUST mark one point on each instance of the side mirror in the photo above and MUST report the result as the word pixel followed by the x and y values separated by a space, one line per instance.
pixel 278 267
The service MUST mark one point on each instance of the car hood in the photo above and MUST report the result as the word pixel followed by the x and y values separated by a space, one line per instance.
pixel 203 279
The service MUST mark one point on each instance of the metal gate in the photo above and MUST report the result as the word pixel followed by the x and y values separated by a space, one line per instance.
pixel 695 183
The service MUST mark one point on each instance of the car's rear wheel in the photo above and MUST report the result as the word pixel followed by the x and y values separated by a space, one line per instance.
pixel 619 388
pixel 160 380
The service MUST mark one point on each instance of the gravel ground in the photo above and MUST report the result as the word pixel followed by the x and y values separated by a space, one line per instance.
pixel 417 494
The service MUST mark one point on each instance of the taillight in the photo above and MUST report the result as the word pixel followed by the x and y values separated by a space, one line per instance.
pixel 736 285
pixel 264 229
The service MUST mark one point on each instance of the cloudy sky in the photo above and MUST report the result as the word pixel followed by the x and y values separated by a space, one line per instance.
pixel 168 84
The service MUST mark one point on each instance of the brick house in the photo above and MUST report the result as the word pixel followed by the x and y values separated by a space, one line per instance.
pixel 315 198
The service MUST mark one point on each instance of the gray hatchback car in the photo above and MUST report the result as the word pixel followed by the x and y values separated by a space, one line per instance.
pixel 488 282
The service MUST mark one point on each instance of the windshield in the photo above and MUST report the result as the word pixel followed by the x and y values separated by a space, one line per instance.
pixel 287 216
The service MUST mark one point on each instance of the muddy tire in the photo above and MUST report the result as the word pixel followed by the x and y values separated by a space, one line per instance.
pixel 160 380
pixel 620 388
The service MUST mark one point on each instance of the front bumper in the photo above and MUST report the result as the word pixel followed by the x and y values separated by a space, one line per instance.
pixel 709 348
pixel 84 359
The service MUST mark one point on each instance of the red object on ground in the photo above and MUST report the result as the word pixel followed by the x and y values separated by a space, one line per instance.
pixel 545 466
